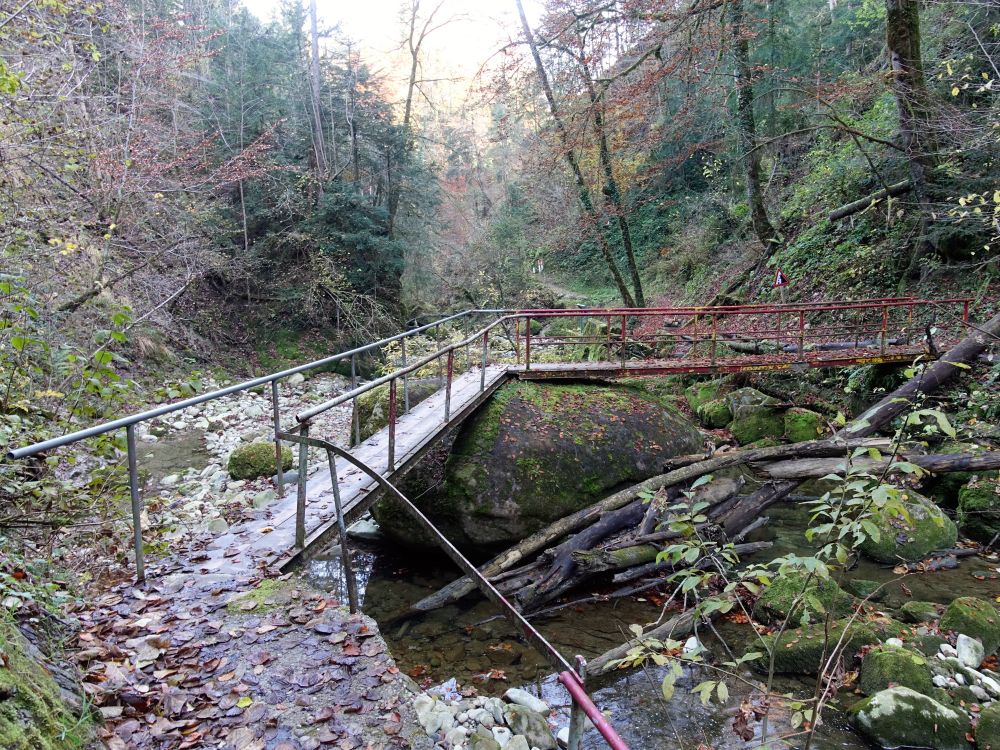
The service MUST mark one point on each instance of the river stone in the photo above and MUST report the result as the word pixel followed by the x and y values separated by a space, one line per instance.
pixel 502 735
pixel 974 617
pixel 714 414
pixel 532 725
pixel 755 416
pixel 918 612
pixel 790 590
pixel 264 498
pixel 800 650
pixel 885 666
pixel 902 717
pixel 296 379
pixel 802 424
pixel 925 530
pixel 970 651
pixel 526 699
pixel 979 509
pixel 518 742
pixel 371 408
pixel 539 451
pixel 256 460
pixel 480 742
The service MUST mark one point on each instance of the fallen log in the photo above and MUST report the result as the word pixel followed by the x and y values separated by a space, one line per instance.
pixel 630 574
pixel 677 627
pixel 857 206
pixel 936 464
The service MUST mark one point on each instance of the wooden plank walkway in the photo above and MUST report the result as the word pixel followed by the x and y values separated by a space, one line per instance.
pixel 270 537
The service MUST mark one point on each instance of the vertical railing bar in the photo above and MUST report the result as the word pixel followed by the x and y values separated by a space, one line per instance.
pixel 885 326
pixel 517 340
pixel 406 383
pixel 623 342
pixel 300 495
pixel 133 486
pixel 437 345
pixel 802 334
pixel 715 337
pixel 447 387
pixel 391 460
pixel 527 343
pixel 482 371
pixel 609 338
pixel 276 416
pixel 577 716
pixel 355 417
pixel 345 553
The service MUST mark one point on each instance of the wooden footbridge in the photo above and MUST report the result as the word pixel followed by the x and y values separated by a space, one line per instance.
pixel 471 364
pixel 474 352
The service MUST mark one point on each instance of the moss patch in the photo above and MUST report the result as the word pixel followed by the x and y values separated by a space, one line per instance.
pixel 979 509
pixel 886 666
pixel 790 594
pixel 702 392
pixel 901 717
pixel 269 594
pixel 33 714
pixel 988 729
pixel 919 612
pixel 714 414
pixel 756 425
pixel 257 460
pixel 975 618
pixel 925 529
pixel 801 650
pixel 802 425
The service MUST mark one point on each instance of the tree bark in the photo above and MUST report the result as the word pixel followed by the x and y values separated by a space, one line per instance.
pixel 936 464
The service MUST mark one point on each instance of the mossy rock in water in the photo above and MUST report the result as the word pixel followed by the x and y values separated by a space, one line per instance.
pixel 946 487
pixel 801 650
pixel 35 713
pixel 919 612
pixel 790 590
pixel 988 728
pixel 902 717
pixel 371 409
pixel 755 416
pixel 886 665
pixel 862 588
pixel 979 509
pixel 714 414
pixel 802 424
pixel 539 451
pixel 925 529
pixel 702 392
pixel 257 460
pixel 975 618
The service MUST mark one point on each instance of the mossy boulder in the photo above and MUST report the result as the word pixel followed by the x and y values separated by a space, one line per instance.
pixel 801 650
pixel 793 592
pixel 885 666
pixel 946 487
pixel 755 416
pixel 988 728
pixel 902 717
pixel 919 612
pixel 862 588
pixel 702 392
pixel 979 509
pixel 924 529
pixel 539 451
pixel 803 424
pixel 371 409
pixel 975 618
pixel 35 712
pixel 257 460
pixel 714 414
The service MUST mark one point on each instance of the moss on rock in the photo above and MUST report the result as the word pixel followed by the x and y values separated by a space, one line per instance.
pixel 790 593
pixel 975 618
pixel 257 460
pixel 979 509
pixel 763 423
pixel 801 650
pixel 538 451
pixel 946 487
pixel 714 414
pixel 34 714
pixel 924 529
pixel 902 717
pixel 802 424
pixel 885 666
pixel 919 612
pixel 702 392
pixel 988 728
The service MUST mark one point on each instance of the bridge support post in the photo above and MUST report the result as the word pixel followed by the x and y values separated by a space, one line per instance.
pixel 345 554
pixel 300 497
pixel 133 486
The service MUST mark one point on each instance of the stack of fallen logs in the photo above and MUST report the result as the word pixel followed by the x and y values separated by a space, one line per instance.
pixel 619 536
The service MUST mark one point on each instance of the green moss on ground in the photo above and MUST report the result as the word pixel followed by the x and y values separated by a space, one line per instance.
pixel 886 666
pixel 269 595
pixel 925 529
pixel 803 424
pixel 975 618
pixel 257 460
pixel 979 509
pixel 789 593
pixel 33 714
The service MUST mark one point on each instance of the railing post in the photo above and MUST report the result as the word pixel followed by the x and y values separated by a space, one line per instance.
pixel 391 461
pixel 576 715
pixel 715 337
pixel 447 387
pixel 609 338
pixel 133 486
pixel 802 334
pixel 517 340
pixel 623 342
pixel 482 372
pixel 406 382
pixel 276 417
pixel 345 555
pixel 355 417
pixel 527 343
pixel 965 311
pixel 885 327
pixel 300 496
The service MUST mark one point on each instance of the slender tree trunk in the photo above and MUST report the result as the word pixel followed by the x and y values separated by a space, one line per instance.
pixel 319 141
pixel 611 191
pixel 746 128
pixel 583 192
pixel 902 35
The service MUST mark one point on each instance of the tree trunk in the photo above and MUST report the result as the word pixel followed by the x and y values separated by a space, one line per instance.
pixel 746 128
pixel 319 142
pixel 936 464
pixel 583 192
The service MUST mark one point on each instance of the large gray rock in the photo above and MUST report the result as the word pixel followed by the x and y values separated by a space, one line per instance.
pixel 539 451
pixel 532 725
pixel 902 717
